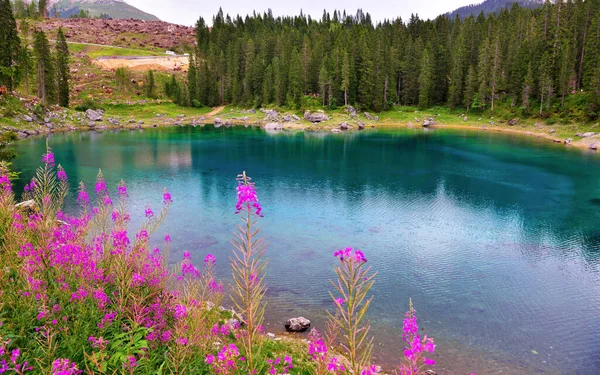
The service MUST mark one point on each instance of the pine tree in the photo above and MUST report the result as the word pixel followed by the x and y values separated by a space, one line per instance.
pixel 323 81
pixel 425 80
pixel 527 87
pixel 10 46
pixel 295 78
pixel 150 85
pixel 546 84
pixel 43 8
pixel 45 69
pixel 62 68
pixel 346 77
pixel 471 87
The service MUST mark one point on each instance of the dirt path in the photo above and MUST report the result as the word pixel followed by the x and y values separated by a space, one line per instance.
pixel 215 111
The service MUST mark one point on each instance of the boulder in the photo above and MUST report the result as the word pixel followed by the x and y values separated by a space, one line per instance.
pixel 273 126
pixel 552 131
pixel 351 111
pixel 315 116
pixel 361 126
pixel 300 324
pixel 287 118
pixel 27 118
pixel 465 118
pixel 336 130
pixel 113 121
pixel 22 135
pixel 428 122
pixel 594 146
pixel 94 115
pixel 295 118
pixel 371 117
pixel 568 141
pixel 344 126
pixel 218 121
pixel 141 122
pixel 588 134
pixel 272 115
pixel 514 121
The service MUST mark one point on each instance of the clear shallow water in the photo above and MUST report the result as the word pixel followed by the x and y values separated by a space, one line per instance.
pixel 496 238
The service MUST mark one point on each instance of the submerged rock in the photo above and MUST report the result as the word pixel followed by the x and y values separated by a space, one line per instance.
pixel 300 324
pixel 273 126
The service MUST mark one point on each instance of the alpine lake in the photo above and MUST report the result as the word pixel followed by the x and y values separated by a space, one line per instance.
pixel 496 238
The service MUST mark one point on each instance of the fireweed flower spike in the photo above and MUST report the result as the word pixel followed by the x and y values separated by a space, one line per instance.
pixel 248 268
pixel 414 361
pixel 354 281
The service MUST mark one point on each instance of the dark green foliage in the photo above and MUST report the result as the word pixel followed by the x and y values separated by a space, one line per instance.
pixel 150 85
pixel 10 45
pixel 62 69
pixel 46 72
pixel 5 139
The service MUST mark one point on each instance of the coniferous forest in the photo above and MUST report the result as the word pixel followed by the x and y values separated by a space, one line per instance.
pixel 530 59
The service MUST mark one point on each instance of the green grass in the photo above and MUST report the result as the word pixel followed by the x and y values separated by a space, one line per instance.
pixel 149 111
pixel 96 51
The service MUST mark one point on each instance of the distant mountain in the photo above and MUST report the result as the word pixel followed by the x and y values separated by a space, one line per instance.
pixel 115 9
pixel 492 6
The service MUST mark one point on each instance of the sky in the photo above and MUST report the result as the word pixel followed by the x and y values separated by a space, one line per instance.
pixel 186 12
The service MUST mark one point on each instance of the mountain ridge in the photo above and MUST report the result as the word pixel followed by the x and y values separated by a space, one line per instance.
pixel 115 9
pixel 492 6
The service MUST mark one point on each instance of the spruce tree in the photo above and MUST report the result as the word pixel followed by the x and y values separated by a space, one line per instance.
pixel 425 80
pixel 150 85
pixel 62 68
pixel 323 82
pixel 471 87
pixel 46 81
pixel 10 46
pixel 346 77
pixel 295 78
pixel 43 8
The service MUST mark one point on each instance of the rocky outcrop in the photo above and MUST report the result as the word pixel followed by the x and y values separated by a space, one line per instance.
pixel 273 126
pixel 315 116
pixel 94 115
pixel 300 324
pixel 428 122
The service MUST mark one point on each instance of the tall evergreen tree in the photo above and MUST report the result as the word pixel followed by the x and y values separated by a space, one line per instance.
pixel 63 74
pixel 425 80
pixel 346 77
pixel 46 81
pixel 150 85
pixel 10 46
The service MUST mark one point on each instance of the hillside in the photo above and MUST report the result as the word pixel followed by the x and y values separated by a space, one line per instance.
pixel 492 6
pixel 116 9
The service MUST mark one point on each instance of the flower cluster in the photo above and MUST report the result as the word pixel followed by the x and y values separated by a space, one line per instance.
pixel 48 159
pixel 226 361
pixel 335 366
pixel 317 349
pixel 248 199
pixel 9 361
pixel 279 366
pixel 65 367
pixel 348 253
pixel 415 347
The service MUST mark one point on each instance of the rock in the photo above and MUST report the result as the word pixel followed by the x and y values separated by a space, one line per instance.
pixel 141 122
pixel 351 111
pixel 94 115
pixel 27 118
pixel 300 324
pixel 568 141
pixel 344 126
pixel 514 121
pixel 552 131
pixel 218 121
pixel 273 126
pixel 131 122
pixel 428 122
pixel 272 115
pixel 588 134
pixel 246 118
pixel 296 118
pixel 371 117
pixel 410 125
pixel 113 121
pixel 594 146
pixel 361 126
pixel 557 141
pixel 271 336
pixel 492 123
pixel 22 135
pixel 315 116
pixel 287 118
pixel 430 372
pixel 465 118
pixel 29 205
pixel 234 324
pixel 91 124
pixel 181 116
pixel 336 130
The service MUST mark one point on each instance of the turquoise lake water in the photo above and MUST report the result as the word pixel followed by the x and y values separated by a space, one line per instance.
pixel 495 238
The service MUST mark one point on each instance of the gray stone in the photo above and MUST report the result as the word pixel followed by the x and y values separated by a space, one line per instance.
pixel 27 118
pixel 428 122
pixel 336 130
pixel 351 111
pixel 344 126
pixel 113 121
pixel 371 117
pixel 287 118
pixel 300 324
pixel 552 131
pixel 594 146
pixel 588 134
pixel 94 115
pixel 568 141
pixel 131 121
pixel 22 135
pixel 315 116
pixel 271 336
pixel 514 121
pixel 141 122
pixel 218 121
pixel 295 118
pixel 465 118
pixel 361 126
pixel 273 126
